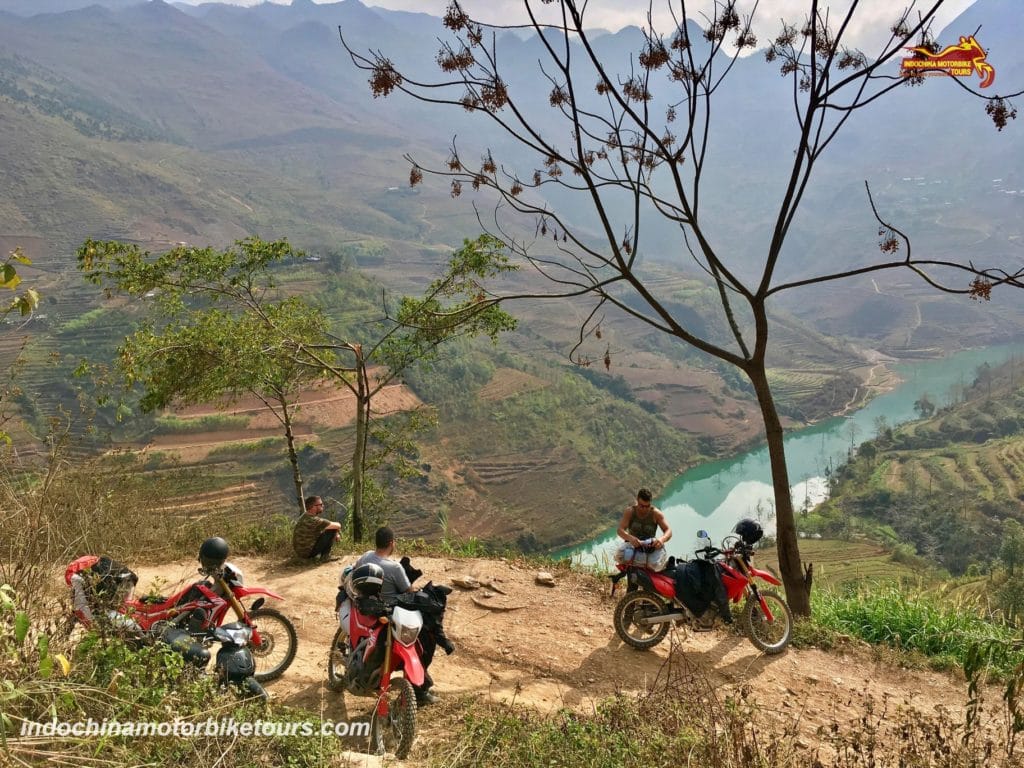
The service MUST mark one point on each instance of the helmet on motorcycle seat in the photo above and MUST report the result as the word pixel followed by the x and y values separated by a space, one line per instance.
pixel 368 579
pixel 749 530
pixel 213 553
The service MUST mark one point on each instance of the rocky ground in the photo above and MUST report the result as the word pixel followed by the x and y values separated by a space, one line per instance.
pixel 549 647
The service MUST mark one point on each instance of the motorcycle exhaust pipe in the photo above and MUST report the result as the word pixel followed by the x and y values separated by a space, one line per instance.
pixel 661 619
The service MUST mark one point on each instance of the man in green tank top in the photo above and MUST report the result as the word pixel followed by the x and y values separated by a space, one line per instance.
pixel 639 526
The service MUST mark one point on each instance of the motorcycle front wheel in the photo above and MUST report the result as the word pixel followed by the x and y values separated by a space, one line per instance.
pixel 633 607
pixel 337 661
pixel 773 636
pixel 395 731
pixel 278 642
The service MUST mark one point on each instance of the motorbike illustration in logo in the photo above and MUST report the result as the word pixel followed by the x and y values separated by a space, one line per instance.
pixel 960 60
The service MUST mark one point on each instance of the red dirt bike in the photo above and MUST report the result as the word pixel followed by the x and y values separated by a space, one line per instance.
pixel 642 617
pixel 203 606
pixel 381 639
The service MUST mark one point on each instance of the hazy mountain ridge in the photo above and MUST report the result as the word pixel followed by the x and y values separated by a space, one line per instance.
pixel 231 91
pixel 293 141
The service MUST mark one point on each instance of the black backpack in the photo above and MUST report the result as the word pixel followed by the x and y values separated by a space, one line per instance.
pixel 698 584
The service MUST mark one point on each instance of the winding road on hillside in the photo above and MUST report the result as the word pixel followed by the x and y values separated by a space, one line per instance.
pixel 554 647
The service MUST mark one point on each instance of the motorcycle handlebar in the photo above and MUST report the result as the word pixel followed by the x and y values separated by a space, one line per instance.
pixel 710 552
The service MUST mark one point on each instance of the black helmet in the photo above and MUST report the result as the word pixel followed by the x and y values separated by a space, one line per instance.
pixel 368 579
pixel 212 554
pixel 749 530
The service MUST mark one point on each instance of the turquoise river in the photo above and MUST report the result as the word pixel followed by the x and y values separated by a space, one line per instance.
pixel 714 496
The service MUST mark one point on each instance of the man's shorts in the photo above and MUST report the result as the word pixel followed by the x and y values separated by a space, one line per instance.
pixel 655 559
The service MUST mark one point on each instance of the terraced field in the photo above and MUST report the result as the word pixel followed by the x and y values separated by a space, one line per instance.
pixel 845 563
pixel 802 384
pixel 497 472
pixel 992 471
pixel 508 382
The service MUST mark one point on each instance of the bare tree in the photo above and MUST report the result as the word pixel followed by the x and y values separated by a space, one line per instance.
pixel 638 149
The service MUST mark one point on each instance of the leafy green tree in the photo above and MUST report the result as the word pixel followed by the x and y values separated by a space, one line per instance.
pixel 218 329
pixel 24 303
pixel 924 406
pixel 640 150
pixel 454 305
pixel 223 328
pixel 1011 552
pixel 868 451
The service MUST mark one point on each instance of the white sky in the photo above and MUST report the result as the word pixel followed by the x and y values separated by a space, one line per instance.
pixel 870 28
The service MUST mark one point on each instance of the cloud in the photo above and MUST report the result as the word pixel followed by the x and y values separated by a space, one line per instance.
pixel 868 30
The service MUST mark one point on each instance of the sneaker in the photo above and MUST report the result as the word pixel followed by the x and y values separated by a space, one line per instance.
pixel 706 620
pixel 328 559
pixel 425 698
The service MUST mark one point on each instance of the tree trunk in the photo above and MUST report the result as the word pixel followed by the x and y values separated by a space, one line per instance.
pixel 293 456
pixel 359 452
pixel 797 587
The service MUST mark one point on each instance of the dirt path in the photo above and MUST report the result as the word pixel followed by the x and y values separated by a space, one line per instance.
pixel 880 379
pixel 554 647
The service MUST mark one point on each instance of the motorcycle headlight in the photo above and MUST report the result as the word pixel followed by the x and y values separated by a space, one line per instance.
pixel 407 635
pixel 406 625
pixel 236 634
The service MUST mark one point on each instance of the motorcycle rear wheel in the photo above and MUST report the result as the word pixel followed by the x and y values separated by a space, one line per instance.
pixel 278 643
pixel 636 605
pixel 337 661
pixel 773 636
pixel 396 731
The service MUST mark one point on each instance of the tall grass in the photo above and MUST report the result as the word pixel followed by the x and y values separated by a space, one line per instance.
pixel 887 615
pixel 104 679
pixel 54 510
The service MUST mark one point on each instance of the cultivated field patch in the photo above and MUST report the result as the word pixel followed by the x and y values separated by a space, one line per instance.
pixel 507 382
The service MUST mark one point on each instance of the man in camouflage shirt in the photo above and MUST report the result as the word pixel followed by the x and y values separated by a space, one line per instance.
pixel 313 536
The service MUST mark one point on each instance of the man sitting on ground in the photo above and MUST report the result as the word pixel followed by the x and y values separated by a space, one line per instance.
pixel 314 536
pixel 100 586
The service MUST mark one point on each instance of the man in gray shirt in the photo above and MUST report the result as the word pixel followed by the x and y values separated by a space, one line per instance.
pixel 395 580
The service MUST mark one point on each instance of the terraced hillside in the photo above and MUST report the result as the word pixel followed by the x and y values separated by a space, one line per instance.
pixel 942 486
